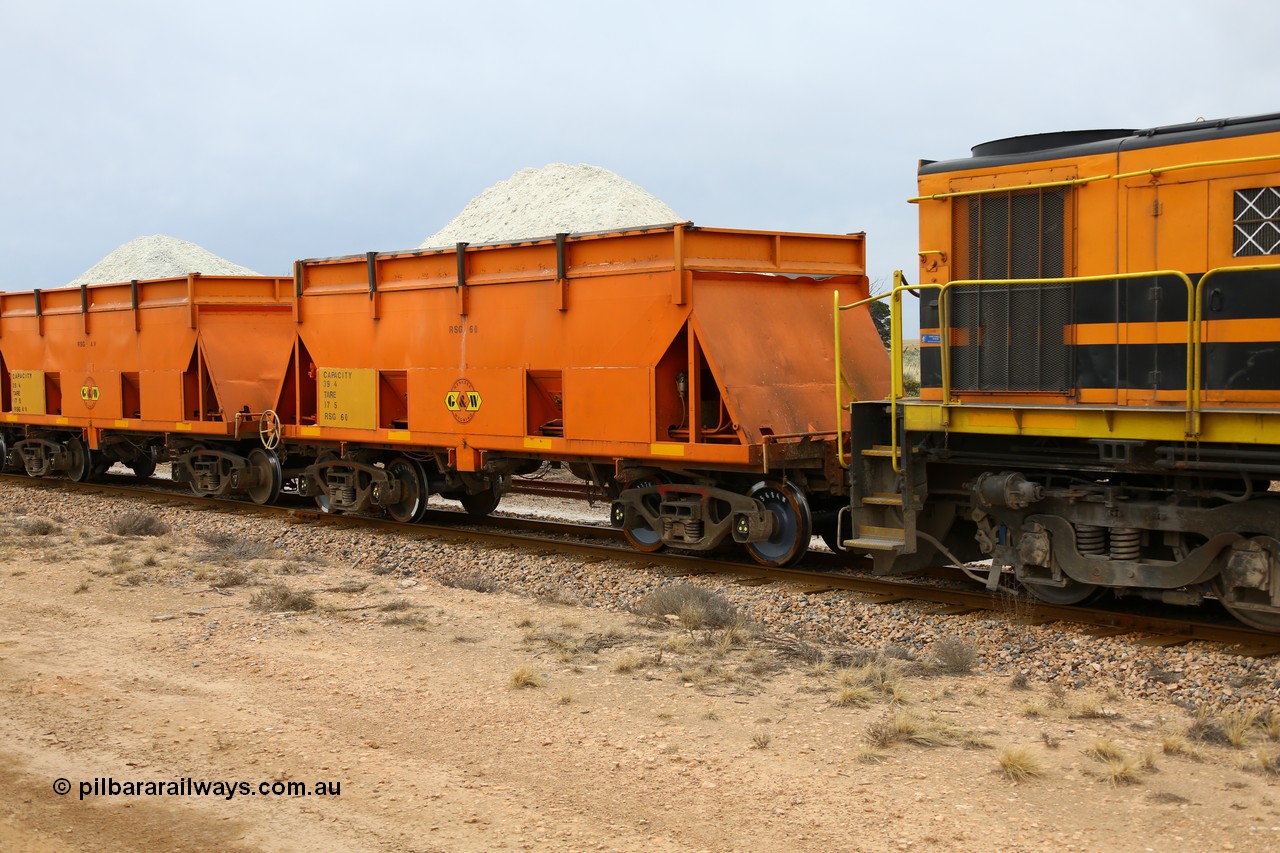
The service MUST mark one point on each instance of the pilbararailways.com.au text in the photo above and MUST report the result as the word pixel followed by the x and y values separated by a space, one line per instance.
pixel 187 787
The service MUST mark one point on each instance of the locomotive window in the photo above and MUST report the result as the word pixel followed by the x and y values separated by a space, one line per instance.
pixel 1257 222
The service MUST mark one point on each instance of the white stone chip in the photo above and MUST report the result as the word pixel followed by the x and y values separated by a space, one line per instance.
pixel 544 202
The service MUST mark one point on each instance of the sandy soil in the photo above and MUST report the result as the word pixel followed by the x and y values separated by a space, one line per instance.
pixel 120 660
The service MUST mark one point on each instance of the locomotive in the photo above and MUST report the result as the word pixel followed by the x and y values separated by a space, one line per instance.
pixel 1099 406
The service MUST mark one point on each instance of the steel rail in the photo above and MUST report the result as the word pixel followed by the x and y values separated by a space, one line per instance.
pixel 458 527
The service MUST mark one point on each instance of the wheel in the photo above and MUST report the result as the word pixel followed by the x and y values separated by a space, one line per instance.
pixel 643 537
pixel 1260 619
pixel 81 467
pixel 1253 618
pixel 792 528
pixel 143 465
pixel 481 503
pixel 413 490
pixel 195 489
pixel 323 502
pixel 1074 592
pixel 269 429
pixel 4 455
pixel 270 477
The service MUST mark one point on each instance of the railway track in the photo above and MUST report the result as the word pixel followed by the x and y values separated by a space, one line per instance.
pixel 558 489
pixel 821 573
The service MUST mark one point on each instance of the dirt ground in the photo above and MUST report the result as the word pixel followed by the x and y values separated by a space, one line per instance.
pixel 460 720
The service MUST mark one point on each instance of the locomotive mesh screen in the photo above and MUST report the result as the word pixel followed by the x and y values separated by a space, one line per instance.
pixel 1011 337
pixel 1256 222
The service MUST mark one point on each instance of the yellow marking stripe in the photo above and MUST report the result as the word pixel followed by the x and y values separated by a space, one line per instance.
pixel 538 443
pixel 667 449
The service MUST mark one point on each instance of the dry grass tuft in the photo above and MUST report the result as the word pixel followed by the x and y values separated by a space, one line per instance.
pixel 1104 749
pixel 1088 708
pixel 349 587
pixel 1271 724
pixel 407 620
pixel 868 754
pixel 526 676
pixel 694 606
pixel 560 595
pixel 629 662
pixel 138 523
pixel 1176 744
pixel 279 598
pixel 954 655
pixel 1236 725
pixel 224 548
pixel 879 675
pixel 761 740
pixel 905 727
pixel 853 696
pixel 1019 681
pixel 1019 763
pixel 1206 729
pixel 1123 771
pixel 396 604
pixel 475 580
pixel 229 578
pixel 40 526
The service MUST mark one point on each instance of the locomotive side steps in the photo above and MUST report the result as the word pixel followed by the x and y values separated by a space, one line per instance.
pixel 878 539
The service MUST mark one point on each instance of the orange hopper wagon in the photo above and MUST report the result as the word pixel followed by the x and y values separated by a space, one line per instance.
pixel 125 372
pixel 688 370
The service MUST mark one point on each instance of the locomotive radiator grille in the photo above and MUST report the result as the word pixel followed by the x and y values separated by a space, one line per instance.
pixel 1012 337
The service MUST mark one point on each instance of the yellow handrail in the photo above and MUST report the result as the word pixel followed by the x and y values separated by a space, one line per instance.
pixel 1154 171
pixel 1198 327
pixel 835 316
pixel 1193 401
pixel 898 386
pixel 1069 182
pixel 1234 161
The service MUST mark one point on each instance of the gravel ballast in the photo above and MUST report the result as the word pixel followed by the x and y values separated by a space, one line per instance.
pixel 1197 675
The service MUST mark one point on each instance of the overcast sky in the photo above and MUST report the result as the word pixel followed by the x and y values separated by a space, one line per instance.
pixel 269 131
